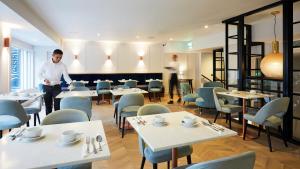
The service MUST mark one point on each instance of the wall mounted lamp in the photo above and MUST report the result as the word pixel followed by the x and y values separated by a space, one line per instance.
pixel 6 42
pixel 108 57
pixel 76 57
pixel 141 58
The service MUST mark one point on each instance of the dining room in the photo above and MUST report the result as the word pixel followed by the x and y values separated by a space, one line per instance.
pixel 150 84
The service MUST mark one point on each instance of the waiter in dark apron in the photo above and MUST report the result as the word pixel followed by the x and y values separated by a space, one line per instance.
pixel 174 69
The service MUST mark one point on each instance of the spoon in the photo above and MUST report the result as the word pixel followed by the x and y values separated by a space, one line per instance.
pixel 99 139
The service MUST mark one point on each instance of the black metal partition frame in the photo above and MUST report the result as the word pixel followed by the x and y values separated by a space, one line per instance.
pixel 244 43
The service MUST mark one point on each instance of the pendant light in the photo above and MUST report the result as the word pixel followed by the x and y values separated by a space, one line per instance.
pixel 272 64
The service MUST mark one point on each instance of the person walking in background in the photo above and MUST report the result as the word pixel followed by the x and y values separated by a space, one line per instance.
pixel 50 74
pixel 174 69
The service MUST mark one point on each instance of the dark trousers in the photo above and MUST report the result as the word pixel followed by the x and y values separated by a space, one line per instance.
pixel 174 83
pixel 50 93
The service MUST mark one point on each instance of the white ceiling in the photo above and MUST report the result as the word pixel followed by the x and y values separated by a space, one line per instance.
pixel 151 20
pixel 21 29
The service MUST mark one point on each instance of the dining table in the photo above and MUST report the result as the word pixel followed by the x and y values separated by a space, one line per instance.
pixel 149 80
pixel 174 134
pixel 48 152
pixel 89 93
pixel 97 81
pixel 121 92
pixel 245 95
pixel 124 80
pixel 22 97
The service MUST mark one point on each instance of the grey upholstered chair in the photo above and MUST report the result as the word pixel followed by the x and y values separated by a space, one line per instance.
pixel 103 88
pixel 65 116
pixel 213 84
pixel 34 108
pixel 80 89
pixel 77 84
pixel 12 115
pixel 241 161
pixel 205 98
pixel 224 104
pixel 186 92
pixel 155 86
pixel 128 107
pixel 68 116
pixel 270 115
pixel 164 155
pixel 79 103
pixel 116 103
pixel 131 83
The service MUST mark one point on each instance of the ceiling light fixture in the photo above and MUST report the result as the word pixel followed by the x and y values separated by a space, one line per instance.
pixel 170 39
pixel 6 42
pixel 272 64
pixel 205 26
pixel 98 34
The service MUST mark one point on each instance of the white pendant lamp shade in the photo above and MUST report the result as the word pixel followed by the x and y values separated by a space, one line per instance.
pixel 272 65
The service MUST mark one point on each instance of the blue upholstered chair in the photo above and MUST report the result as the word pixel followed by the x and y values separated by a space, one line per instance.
pixel 131 83
pixel 155 86
pixel 103 87
pixel 116 103
pixel 68 116
pixel 213 84
pixel 80 89
pixel 79 103
pixel 205 98
pixel 224 104
pixel 34 108
pixel 241 161
pixel 12 115
pixel 187 94
pixel 270 115
pixel 77 84
pixel 128 107
pixel 164 155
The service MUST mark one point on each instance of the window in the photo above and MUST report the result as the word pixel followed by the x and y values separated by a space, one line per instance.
pixel 21 76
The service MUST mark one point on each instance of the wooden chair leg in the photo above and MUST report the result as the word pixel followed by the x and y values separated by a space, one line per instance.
pixel 229 117
pixel 154 166
pixel 216 116
pixel 189 159
pixel 34 119
pixel 183 102
pixel 143 162
pixel 283 136
pixel 259 130
pixel 245 132
pixel 168 164
pixel 123 128
pixel 27 124
pixel 269 138
pixel 1 134
pixel 120 120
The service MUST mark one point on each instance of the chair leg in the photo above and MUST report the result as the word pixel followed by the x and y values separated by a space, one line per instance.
pixel 38 118
pixel 269 138
pixel 168 164
pixel 120 120
pixel 0 134
pixel 27 124
pixel 34 119
pixel 259 130
pixel 229 117
pixel 149 95
pixel 154 166
pixel 189 159
pixel 98 100
pixel 282 135
pixel 216 116
pixel 123 128
pixel 183 102
pixel 143 162
pixel 226 118
pixel 245 132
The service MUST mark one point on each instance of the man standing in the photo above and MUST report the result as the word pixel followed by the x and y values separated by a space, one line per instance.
pixel 174 68
pixel 50 74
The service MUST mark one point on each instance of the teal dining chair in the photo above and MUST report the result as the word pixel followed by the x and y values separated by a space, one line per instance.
pixel 186 92
pixel 12 115
pixel 68 116
pixel 164 155
pixel 244 160
pixel 77 84
pixel 103 88
pixel 79 103
pixel 131 83
pixel 205 98
pixel 270 116
pixel 224 104
pixel 34 108
pixel 155 87
pixel 116 103
pixel 213 84
pixel 80 89
pixel 128 106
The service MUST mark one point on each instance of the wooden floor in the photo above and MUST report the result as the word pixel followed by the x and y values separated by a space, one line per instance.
pixel 125 153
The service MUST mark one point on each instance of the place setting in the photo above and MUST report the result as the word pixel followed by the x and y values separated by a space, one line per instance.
pixel 189 122
pixel 159 121
pixel 92 145
pixel 69 137
pixel 31 134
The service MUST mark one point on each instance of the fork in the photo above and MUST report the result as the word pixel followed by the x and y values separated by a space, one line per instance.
pixel 87 141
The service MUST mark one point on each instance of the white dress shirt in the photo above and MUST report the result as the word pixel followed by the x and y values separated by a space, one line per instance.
pixel 174 67
pixel 53 72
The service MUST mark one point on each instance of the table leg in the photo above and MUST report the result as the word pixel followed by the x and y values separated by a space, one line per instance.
pixel 174 157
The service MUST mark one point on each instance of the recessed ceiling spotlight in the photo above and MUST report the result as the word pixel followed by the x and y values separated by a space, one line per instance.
pixel 170 39
pixel 98 34
pixel 206 26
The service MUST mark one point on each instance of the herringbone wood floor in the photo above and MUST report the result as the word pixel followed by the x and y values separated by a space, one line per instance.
pixel 125 153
